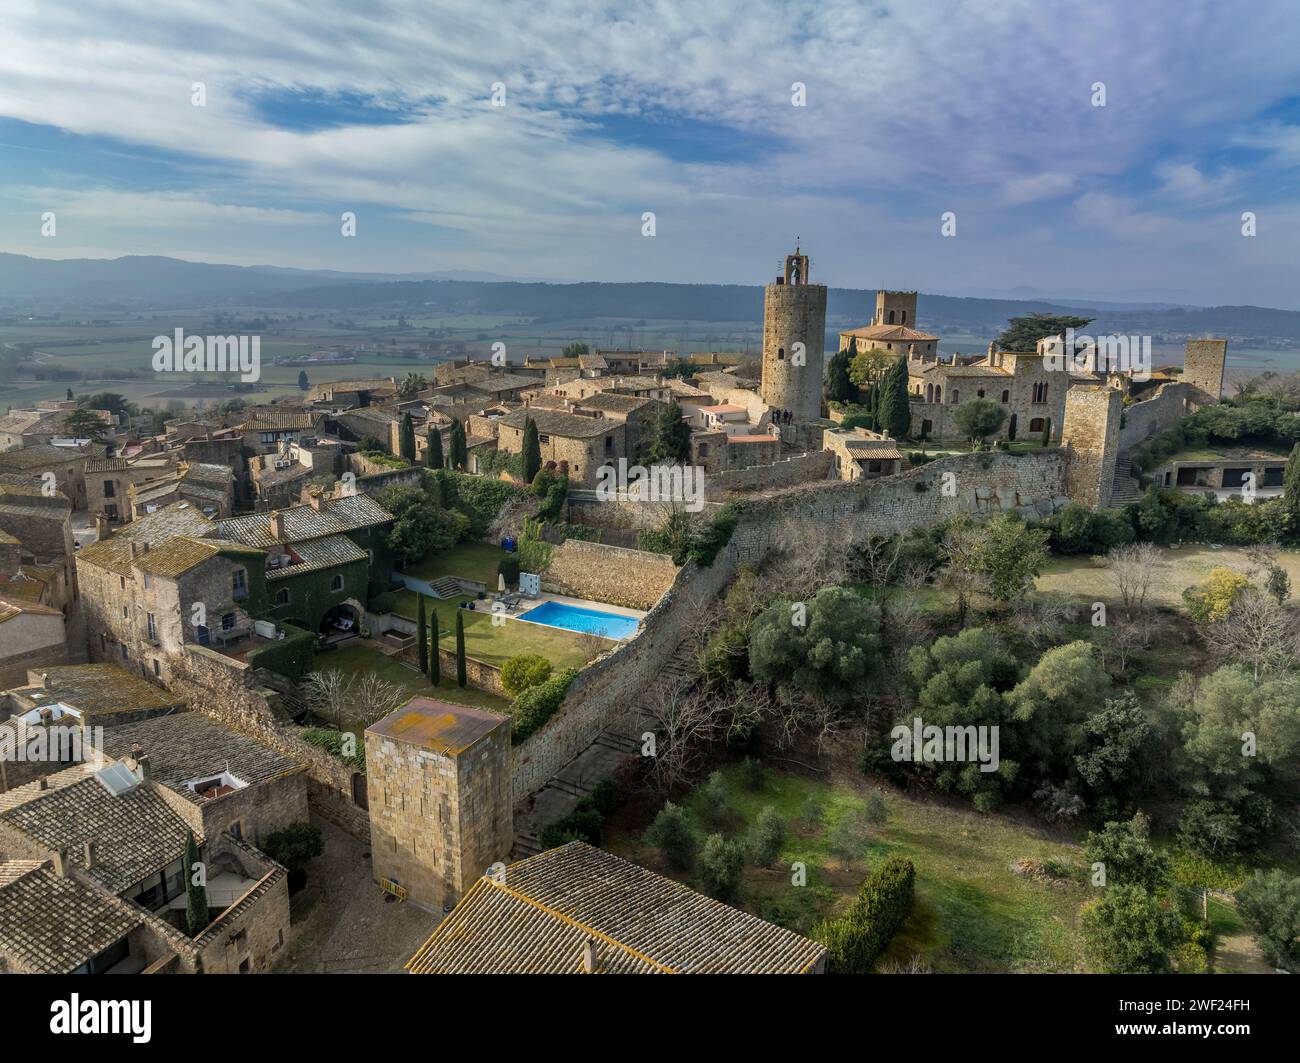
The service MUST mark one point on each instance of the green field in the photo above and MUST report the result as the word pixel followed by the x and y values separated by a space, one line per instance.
pixel 973 913
pixel 476 561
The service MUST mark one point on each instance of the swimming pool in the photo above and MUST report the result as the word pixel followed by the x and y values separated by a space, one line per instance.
pixel 589 621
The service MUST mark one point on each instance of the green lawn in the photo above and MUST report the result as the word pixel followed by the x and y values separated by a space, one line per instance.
pixel 496 645
pixel 972 912
pixel 476 561
pixel 360 659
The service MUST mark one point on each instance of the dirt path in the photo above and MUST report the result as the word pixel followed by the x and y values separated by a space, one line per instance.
pixel 1238 954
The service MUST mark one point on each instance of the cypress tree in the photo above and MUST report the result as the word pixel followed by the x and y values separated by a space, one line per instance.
pixel 435 663
pixel 422 635
pixel 406 438
pixel 459 448
pixel 532 451
pixel 1011 429
pixel 196 893
pixel 895 412
pixel 303 382
pixel 434 453
pixel 460 648
pixel 1047 432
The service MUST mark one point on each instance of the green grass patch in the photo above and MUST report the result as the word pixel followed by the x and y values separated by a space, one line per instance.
pixel 972 913
pixel 476 561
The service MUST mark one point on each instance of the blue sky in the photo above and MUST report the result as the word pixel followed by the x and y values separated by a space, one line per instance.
pixel 914 109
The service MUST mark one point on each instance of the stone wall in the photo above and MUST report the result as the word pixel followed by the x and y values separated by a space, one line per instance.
pixel 802 468
pixel 1168 405
pixel 622 514
pixel 1204 362
pixel 605 694
pixel 228 691
pixel 634 579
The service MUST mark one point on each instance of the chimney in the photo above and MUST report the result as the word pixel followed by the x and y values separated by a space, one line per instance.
pixel 142 767
pixel 59 857
pixel 45 680
pixel 144 548
pixel 44 783
pixel 589 964
pixel 88 848
pixel 46 714
pixel 101 526
pixel 316 500
pixel 133 548
pixel 277 524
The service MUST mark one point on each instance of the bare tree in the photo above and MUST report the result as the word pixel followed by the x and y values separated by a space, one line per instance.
pixel 1042 617
pixel 328 695
pixel 1134 567
pixel 806 559
pixel 876 558
pixel 905 624
pixel 1258 633
pixel 962 543
pixel 686 723
pixel 372 698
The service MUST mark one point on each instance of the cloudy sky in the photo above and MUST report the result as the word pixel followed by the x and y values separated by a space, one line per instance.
pixel 913 109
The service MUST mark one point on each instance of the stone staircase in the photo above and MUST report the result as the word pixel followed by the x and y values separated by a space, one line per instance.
pixel 1125 489
pixel 445 587
pixel 680 667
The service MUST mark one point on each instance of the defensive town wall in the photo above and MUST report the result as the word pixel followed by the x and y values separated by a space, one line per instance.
pixel 634 579
pixel 1168 405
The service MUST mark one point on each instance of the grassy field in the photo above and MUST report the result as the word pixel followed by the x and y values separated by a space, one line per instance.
pixel 973 912
pixel 1183 567
pixel 476 561
pixel 361 659
pixel 496 645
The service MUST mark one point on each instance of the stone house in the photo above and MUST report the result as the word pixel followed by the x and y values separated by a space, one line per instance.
pixel 109 845
pixel 211 488
pixel 30 634
pixel 585 442
pixel 41 525
pixel 861 454
pixel 577 909
pixel 264 427
pixel 31 463
pixel 1032 394
pixel 108 482
pixel 638 413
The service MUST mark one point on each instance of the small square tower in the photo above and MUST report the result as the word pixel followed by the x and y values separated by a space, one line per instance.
pixel 1203 367
pixel 438 780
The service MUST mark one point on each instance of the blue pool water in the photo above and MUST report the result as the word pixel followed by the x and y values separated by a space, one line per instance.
pixel 575 618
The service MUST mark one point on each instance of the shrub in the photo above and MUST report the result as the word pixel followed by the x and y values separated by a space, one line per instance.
pixel 295 845
pixel 509 568
pixel 672 835
pixel 854 941
pixel 766 836
pixel 536 705
pixel 848 837
pixel 523 671
pixel 721 866
pixel 384 602
pixel 752 774
pixel 712 800
pixel 1269 902
pixel 582 824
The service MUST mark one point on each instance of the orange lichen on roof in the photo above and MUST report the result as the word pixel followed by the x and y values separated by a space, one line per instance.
pixel 437 725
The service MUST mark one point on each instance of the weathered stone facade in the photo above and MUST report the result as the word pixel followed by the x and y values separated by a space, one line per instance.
pixel 440 801
pixel 794 339
pixel 1203 368
pixel 634 579
pixel 1092 416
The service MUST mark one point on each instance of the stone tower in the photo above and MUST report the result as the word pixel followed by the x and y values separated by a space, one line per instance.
pixel 895 308
pixel 438 782
pixel 794 336
pixel 1203 366
pixel 1091 432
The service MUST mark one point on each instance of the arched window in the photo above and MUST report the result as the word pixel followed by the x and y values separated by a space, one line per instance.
pixel 979 394
pixel 1006 396
pixel 891 317
pixel 1040 393
pixel 956 396
pixel 938 393
pixel 282 597
pixel 929 393
pixel 780 354
pixel 336 584
pixel 903 321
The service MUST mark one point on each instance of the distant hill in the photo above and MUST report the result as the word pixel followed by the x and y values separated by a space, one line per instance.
pixel 138 281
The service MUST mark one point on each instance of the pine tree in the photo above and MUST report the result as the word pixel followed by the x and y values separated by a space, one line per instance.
pixel 303 382
pixel 422 636
pixel 435 662
pixel 895 412
pixel 532 451
pixel 196 893
pixel 406 438
pixel 434 453
pixel 460 649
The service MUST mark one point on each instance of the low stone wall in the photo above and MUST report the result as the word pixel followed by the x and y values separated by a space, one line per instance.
pixel 479 674
pixel 1168 405
pixel 634 579
pixel 802 468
